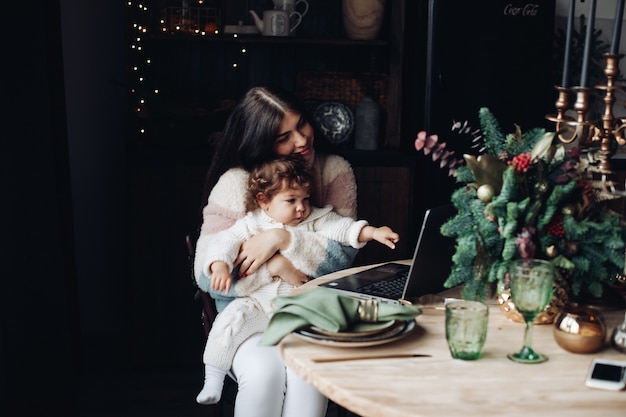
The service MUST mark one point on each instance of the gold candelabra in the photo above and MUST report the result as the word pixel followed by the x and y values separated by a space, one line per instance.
pixel 608 132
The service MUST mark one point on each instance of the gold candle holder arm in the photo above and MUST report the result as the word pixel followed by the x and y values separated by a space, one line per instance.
pixel 569 129
pixel 609 132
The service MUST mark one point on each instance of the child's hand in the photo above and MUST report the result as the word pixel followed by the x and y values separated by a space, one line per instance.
pixel 221 279
pixel 386 236
pixel 280 267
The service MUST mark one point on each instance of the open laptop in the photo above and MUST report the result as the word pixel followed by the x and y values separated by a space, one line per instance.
pixel 392 282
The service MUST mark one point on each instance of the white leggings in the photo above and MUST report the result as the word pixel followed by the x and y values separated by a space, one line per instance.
pixel 268 388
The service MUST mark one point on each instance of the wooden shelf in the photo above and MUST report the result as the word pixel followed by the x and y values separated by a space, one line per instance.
pixel 270 40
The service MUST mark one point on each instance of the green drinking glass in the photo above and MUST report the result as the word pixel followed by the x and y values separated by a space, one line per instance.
pixel 531 290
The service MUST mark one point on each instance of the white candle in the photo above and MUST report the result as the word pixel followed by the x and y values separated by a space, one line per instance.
pixel 568 43
pixel 617 27
pixel 587 52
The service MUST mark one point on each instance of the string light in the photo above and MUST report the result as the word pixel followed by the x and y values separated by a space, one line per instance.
pixel 192 21
pixel 139 28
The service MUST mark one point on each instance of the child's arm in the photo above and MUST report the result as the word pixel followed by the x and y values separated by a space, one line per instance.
pixel 221 278
pixel 383 234
pixel 281 267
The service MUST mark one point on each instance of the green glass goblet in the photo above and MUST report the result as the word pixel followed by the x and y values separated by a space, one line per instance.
pixel 531 291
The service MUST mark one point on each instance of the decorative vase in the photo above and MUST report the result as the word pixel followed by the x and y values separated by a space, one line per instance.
pixel 367 123
pixel 560 298
pixel 580 329
pixel 362 19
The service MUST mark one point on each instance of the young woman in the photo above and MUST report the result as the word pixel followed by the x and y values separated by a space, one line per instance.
pixel 266 123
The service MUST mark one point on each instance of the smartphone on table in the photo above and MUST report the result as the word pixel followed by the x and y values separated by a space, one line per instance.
pixel 606 374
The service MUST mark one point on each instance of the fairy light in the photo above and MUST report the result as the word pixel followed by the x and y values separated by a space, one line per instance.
pixel 139 28
pixel 200 21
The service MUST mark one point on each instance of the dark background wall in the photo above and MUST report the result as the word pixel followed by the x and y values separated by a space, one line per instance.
pixel 39 337
pixel 63 199
pixel 93 39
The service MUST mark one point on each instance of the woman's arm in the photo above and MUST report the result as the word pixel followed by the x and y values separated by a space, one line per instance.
pixel 260 248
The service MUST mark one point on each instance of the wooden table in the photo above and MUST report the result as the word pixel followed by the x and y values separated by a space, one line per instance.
pixel 442 386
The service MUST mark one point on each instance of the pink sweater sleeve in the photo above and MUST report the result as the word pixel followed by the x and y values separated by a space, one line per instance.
pixel 335 185
pixel 224 207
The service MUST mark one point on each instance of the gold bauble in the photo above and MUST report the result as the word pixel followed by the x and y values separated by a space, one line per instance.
pixel 485 193
pixel 552 251
pixel 568 210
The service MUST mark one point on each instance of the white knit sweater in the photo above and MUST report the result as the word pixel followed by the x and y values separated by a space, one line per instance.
pixel 334 184
pixel 225 245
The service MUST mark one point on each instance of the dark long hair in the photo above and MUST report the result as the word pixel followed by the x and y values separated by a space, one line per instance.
pixel 250 131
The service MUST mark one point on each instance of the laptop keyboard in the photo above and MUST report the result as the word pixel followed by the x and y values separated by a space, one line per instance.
pixel 392 288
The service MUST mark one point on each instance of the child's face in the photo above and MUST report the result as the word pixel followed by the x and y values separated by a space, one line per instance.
pixel 290 206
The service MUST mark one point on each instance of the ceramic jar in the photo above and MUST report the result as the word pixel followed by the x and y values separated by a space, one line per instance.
pixel 367 125
pixel 362 19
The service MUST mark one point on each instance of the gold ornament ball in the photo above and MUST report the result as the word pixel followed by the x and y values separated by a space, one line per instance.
pixel 568 210
pixel 552 251
pixel 485 193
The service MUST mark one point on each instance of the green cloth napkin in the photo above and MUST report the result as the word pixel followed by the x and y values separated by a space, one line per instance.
pixel 325 309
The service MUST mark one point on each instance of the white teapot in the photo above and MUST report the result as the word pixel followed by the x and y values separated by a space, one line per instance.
pixel 291 6
pixel 276 22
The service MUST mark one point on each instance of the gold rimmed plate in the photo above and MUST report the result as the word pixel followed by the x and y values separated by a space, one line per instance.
pixel 356 330
pixel 395 332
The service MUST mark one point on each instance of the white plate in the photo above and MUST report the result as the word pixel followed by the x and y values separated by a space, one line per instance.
pixel 408 326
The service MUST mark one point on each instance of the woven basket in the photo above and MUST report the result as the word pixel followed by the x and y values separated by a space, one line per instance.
pixel 347 88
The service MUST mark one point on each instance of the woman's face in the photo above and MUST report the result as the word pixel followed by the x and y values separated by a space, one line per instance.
pixel 295 135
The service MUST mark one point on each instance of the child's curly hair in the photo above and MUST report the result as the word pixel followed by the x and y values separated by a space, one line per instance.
pixel 272 177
